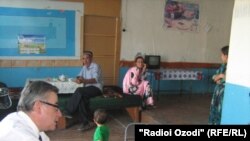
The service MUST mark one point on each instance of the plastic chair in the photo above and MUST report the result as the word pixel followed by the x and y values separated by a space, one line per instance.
pixel 130 131
pixel 2 85
pixel 5 100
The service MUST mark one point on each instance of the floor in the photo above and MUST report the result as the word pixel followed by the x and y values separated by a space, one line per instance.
pixel 171 109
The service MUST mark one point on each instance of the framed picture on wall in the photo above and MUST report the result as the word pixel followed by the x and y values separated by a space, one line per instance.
pixel 31 44
pixel 181 16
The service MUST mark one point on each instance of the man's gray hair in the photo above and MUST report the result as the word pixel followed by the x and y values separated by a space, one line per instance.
pixel 89 53
pixel 36 90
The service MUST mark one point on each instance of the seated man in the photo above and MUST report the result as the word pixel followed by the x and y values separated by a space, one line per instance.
pixel 91 76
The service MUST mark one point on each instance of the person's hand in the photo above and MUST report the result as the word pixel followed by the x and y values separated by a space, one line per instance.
pixel 218 77
pixel 79 79
pixel 144 68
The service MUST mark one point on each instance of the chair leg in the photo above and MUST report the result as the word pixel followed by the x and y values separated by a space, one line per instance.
pixel 61 124
pixel 134 113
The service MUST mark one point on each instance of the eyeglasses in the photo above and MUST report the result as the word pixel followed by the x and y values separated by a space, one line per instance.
pixel 50 104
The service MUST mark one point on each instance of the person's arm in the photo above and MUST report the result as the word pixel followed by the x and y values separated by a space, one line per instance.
pixel 219 78
pixel 126 82
pixel 95 74
pixel 144 70
pixel 130 81
pixel 89 81
pixel 80 79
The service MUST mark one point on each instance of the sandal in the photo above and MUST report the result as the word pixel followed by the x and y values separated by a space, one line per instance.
pixel 88 126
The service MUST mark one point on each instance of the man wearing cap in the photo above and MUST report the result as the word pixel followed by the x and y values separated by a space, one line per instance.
pixel 91 77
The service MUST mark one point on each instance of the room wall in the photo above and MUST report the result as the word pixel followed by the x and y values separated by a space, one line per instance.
pixel 143 21
pixel 236 102
pixel 145 32
pixel 15 72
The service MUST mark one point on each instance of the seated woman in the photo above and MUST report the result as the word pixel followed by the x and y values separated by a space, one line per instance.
pixel 134 82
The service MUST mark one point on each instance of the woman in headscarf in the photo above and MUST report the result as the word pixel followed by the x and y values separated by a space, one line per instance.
pixel 134 82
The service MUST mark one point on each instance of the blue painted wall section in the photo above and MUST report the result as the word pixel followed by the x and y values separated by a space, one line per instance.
pixel 57 26
pixel 236 105
pixel 16 77
pixel 206 85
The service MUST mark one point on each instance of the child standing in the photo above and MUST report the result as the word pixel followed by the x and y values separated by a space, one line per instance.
pixel 101 131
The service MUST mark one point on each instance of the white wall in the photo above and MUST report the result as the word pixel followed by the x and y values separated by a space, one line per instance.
pixel 145 31
pixel 238 69
pixel 236 101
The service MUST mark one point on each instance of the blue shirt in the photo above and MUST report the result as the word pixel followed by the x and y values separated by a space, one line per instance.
pixel 93 71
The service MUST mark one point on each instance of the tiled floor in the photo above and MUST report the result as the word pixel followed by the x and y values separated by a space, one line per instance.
pixel 171 109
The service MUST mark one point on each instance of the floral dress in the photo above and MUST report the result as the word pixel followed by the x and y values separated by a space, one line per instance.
pixel 217 99
pixel 134 83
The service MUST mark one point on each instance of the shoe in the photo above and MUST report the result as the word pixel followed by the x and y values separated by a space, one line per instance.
pixel 150 107
pixel 87 126
pixel 67 115
pixel 143 106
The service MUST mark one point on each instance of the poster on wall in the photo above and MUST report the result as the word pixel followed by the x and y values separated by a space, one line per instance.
pixel 181 16
pixel 31 44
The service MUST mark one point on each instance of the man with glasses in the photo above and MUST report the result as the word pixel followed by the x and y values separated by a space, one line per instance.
pixel 91 76
pixel 37 111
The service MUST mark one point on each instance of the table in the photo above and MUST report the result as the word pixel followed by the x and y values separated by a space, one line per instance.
pixel 174 74
pixel 65 87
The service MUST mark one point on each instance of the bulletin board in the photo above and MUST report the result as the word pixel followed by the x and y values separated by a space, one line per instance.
pixel 33 30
